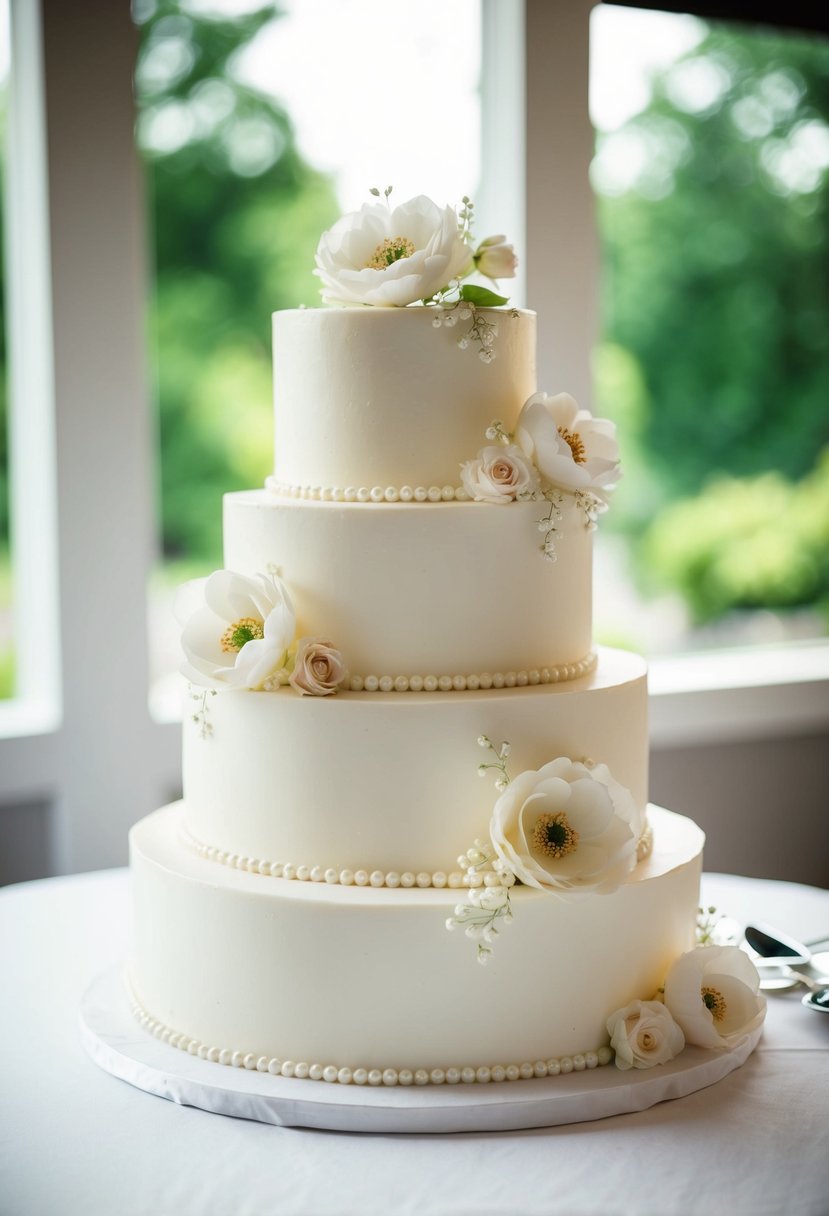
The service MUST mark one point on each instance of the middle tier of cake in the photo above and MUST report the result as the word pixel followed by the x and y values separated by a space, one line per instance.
pixel 386 783
pixel 443 590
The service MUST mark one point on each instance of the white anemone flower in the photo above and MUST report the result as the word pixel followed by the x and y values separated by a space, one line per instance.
pixel 566 827
pixel 570 448
pixel 392 256
pixel 713 994
pixel 241 634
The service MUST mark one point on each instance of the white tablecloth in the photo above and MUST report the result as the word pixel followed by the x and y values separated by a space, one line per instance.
pixel 74 1141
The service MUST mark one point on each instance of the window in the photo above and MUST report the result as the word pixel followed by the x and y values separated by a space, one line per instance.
pixel 712 175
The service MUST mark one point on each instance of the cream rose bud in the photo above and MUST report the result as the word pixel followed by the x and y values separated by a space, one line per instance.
pixel 495 258
pixel 318 668
pixel 712 992
pixel 498 475
pixel 644 1034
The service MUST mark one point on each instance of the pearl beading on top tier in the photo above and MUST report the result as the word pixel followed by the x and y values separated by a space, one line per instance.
pixel 475 681
pixel 368 494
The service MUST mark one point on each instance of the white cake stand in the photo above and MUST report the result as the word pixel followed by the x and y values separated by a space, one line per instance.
pixel 116 1042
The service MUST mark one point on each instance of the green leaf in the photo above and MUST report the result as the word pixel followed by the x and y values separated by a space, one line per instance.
pixel 481 296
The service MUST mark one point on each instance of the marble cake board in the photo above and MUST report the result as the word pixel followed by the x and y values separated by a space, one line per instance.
pixel 117 1043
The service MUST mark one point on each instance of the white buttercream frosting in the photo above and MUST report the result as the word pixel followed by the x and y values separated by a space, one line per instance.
pixel 244 964
pixel 380 397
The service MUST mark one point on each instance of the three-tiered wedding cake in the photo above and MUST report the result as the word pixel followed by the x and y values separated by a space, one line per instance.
pixel 402 612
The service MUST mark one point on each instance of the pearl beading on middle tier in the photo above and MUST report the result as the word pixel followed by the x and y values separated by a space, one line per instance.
pixel 368 878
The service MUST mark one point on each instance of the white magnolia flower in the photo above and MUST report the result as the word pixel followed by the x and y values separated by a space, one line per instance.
pixel 566 828
pixel 495 258
pixel 643 1034
pixel 498 474
pixel 570 448
pixel 240 635
pixel 390 257
pixel 319 669
pixel 713 994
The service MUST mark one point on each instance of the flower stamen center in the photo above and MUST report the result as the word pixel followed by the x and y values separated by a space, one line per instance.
pixel 553 835
pixel 714 1001
pixel 389 251
pixel 575 443
pixel 245 630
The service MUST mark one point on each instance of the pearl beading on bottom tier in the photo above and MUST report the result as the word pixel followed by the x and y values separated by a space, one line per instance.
pixel 332 1073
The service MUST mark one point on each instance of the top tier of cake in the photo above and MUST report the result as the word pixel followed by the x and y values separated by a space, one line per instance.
pixel 368 397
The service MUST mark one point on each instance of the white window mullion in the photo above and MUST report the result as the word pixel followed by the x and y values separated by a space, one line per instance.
pixel 31 425
pixel 563 272
pixel 108 775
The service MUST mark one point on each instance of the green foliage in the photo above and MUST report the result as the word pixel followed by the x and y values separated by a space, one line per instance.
pixel 236 215
pixel 716 278
pixel 760 542
pixel 717 297
pixel 482 297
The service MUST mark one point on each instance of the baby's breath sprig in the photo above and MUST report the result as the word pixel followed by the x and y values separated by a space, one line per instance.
pixel 373 190
pixel 465 216
pixel 548 523
pixel 480 918
pixel 499 763
pixel 201 716
pixel 481 331
pixel 591 507
pixel 497 431
pixel 707 921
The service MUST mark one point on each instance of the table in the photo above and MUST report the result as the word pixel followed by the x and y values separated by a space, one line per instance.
pixel 75 1141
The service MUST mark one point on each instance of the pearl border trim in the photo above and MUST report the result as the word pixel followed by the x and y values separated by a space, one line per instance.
pixel 453 879
pixel 368 494
pixel 486 680
pixel 345 877
pixel 332 1073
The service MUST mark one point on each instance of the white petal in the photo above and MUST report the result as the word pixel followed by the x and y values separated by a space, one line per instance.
pixel 230 595
pixel 591 808
pixel 202 636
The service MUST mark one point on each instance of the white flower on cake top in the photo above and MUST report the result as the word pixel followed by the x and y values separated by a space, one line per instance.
pixel 389 257
pixel 566 827
pixel 570 448
pixel 392 256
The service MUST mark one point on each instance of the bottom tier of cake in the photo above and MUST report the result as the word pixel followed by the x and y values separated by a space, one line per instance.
pixel 310 979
